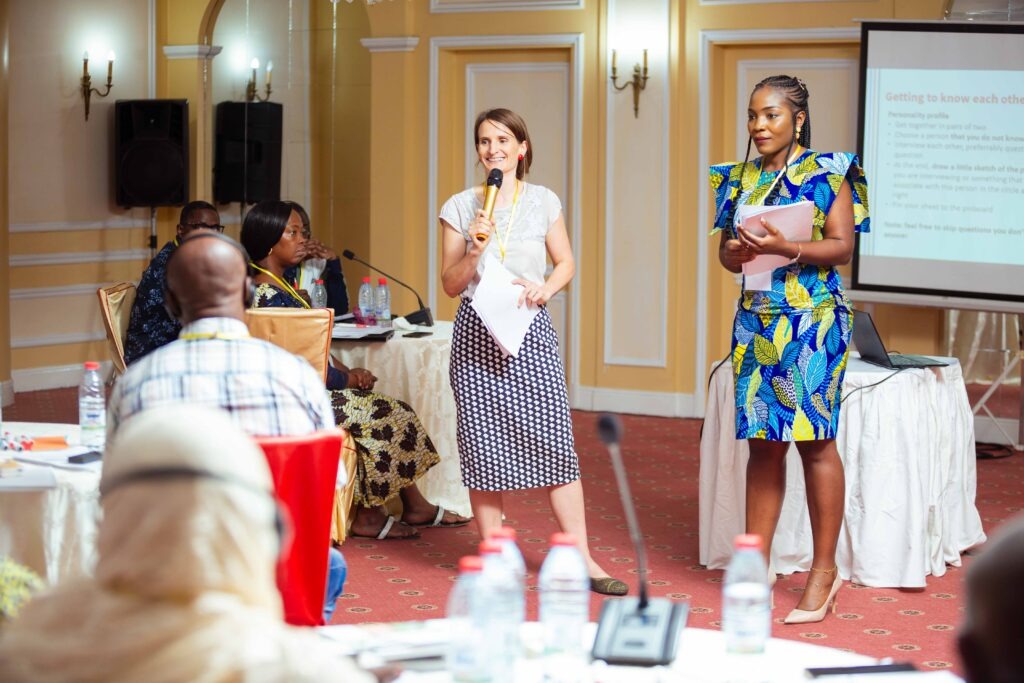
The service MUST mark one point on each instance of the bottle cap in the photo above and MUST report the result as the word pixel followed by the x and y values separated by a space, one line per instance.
pixel 319 282
pixel 748 541
pixel 366 279
pixel 505 532
pixel 92 365
pixel 490 547
pixel 382 281
pixel 470 563
pixel 560 538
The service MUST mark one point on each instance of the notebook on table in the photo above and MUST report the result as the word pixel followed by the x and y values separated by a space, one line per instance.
pixel 872 350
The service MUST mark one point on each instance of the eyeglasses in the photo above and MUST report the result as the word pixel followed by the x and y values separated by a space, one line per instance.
pixel 216 226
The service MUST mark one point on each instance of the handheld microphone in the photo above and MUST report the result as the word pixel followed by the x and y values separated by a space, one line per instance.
pixel 636 631
pixel 418 317
pixel 494 179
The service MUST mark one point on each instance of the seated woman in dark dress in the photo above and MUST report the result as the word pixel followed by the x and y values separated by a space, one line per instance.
pixel 393 447
pixel 319 258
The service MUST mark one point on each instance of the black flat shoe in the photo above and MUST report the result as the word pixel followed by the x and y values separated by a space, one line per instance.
pixel 608 586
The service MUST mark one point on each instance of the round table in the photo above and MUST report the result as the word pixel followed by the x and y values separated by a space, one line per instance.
pixel 52 531
pixel 415 370
pixel 701 657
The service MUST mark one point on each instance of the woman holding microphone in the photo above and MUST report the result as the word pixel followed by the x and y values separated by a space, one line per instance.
pixel 514 427
pixel 791 336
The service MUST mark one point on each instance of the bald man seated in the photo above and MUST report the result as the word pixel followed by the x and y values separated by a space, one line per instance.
pixel 268 391
pixel 214 362
pixel 991 637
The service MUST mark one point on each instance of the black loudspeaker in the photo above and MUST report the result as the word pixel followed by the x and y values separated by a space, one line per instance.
pixel 151 152
pixel 247 161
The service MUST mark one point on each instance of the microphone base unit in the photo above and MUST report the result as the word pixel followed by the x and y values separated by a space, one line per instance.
pixel 421 317
pixel 630 635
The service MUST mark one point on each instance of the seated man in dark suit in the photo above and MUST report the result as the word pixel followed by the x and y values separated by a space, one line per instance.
pixel 149 326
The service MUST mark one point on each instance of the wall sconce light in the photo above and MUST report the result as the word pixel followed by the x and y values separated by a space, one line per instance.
pixel 250 88
pixel 639 82
pixel 87 89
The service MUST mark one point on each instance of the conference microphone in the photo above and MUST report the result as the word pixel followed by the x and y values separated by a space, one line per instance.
pixel 635 631
pixel 494 179
pixel 418 317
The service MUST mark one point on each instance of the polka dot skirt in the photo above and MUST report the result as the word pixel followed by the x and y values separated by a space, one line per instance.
pixel 514 427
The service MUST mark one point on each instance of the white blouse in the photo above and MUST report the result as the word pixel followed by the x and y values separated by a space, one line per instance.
pixel 525 251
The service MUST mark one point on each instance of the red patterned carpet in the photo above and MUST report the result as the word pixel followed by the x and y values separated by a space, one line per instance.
pixel 402 580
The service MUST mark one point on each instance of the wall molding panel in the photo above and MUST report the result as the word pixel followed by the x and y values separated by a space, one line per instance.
pixel 573 41
pixel 390 44
pixel 459 6
pixel 56 292
pixel 56 339
pixel 708 40
pixel 632 402
pixel 191 51
pixel 70 257
pixel 640 180
pixel 79 226
pixel 52 377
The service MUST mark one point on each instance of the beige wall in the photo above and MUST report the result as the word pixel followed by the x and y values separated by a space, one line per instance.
pixel 6 387
pixel 278 32
pixel 67 236
pixel 386 127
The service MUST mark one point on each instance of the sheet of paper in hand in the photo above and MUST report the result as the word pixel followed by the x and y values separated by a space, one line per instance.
pixel 496 301
pixel 794 221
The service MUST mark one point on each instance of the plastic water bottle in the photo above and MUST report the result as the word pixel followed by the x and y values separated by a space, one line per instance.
pixel 466 658
pixel 92 407
pixel 318 294
pixel 501 616
pixel 382 303
pixel 506 538
pixel 366 305
pixel 564 608
pixel 746 611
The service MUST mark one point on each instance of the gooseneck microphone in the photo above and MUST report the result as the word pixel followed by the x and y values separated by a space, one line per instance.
pixel 635 631
pixel 418 317
pixel 494 179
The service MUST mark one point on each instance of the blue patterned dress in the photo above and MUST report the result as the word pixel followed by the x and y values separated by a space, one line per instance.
pixel 790 343
pixel 150 326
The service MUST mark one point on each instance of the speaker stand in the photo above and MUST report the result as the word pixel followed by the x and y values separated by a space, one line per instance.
pixel 152 232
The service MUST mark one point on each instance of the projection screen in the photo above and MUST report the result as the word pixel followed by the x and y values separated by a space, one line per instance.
pixel 942 141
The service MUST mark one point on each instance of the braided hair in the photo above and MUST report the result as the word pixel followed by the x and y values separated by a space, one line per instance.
pixel 795 92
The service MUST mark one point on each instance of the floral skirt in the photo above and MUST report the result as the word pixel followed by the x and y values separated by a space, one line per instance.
pixel 788 372
pixel 393 449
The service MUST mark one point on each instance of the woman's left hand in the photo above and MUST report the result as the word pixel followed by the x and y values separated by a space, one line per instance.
pixel 772 243
pixel 533 293
pixel 360 378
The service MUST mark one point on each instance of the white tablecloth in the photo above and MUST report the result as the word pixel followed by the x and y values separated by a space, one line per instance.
pixel 908 450
pixel 52 531
pixel 416 371
pixel 701 657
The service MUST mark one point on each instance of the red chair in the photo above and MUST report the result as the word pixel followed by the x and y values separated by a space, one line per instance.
pixel 305 470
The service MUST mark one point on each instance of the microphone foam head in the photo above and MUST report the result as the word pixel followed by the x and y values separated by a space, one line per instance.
pixel 609 428
pixel 495 177
pixel 348 254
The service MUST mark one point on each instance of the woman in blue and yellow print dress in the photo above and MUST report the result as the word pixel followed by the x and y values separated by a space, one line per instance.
pixel 790 342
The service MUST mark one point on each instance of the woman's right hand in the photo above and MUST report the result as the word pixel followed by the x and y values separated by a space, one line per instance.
pixel 734 254
pixel 482 226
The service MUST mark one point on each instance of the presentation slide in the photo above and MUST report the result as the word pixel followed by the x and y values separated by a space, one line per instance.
pixel 943 148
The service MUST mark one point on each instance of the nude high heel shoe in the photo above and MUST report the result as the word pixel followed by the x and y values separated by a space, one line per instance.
pixel 802 616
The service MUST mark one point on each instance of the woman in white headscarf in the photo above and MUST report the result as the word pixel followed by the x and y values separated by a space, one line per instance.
pixel 184 587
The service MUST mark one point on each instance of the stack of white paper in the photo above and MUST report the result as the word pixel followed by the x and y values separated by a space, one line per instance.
pixel 496 301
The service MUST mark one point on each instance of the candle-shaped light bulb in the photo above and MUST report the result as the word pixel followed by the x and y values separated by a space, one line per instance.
pixel 645 62
pixel 613 61
pixel 270 68
pixel 110 67
pixel 85 64
pixel 254 64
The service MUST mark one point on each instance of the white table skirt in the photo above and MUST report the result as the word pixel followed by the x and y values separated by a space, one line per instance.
pixel 416 371
pixel 52 531
pixel 908 451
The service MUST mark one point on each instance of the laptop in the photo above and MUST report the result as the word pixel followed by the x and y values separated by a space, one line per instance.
pixel 872 350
